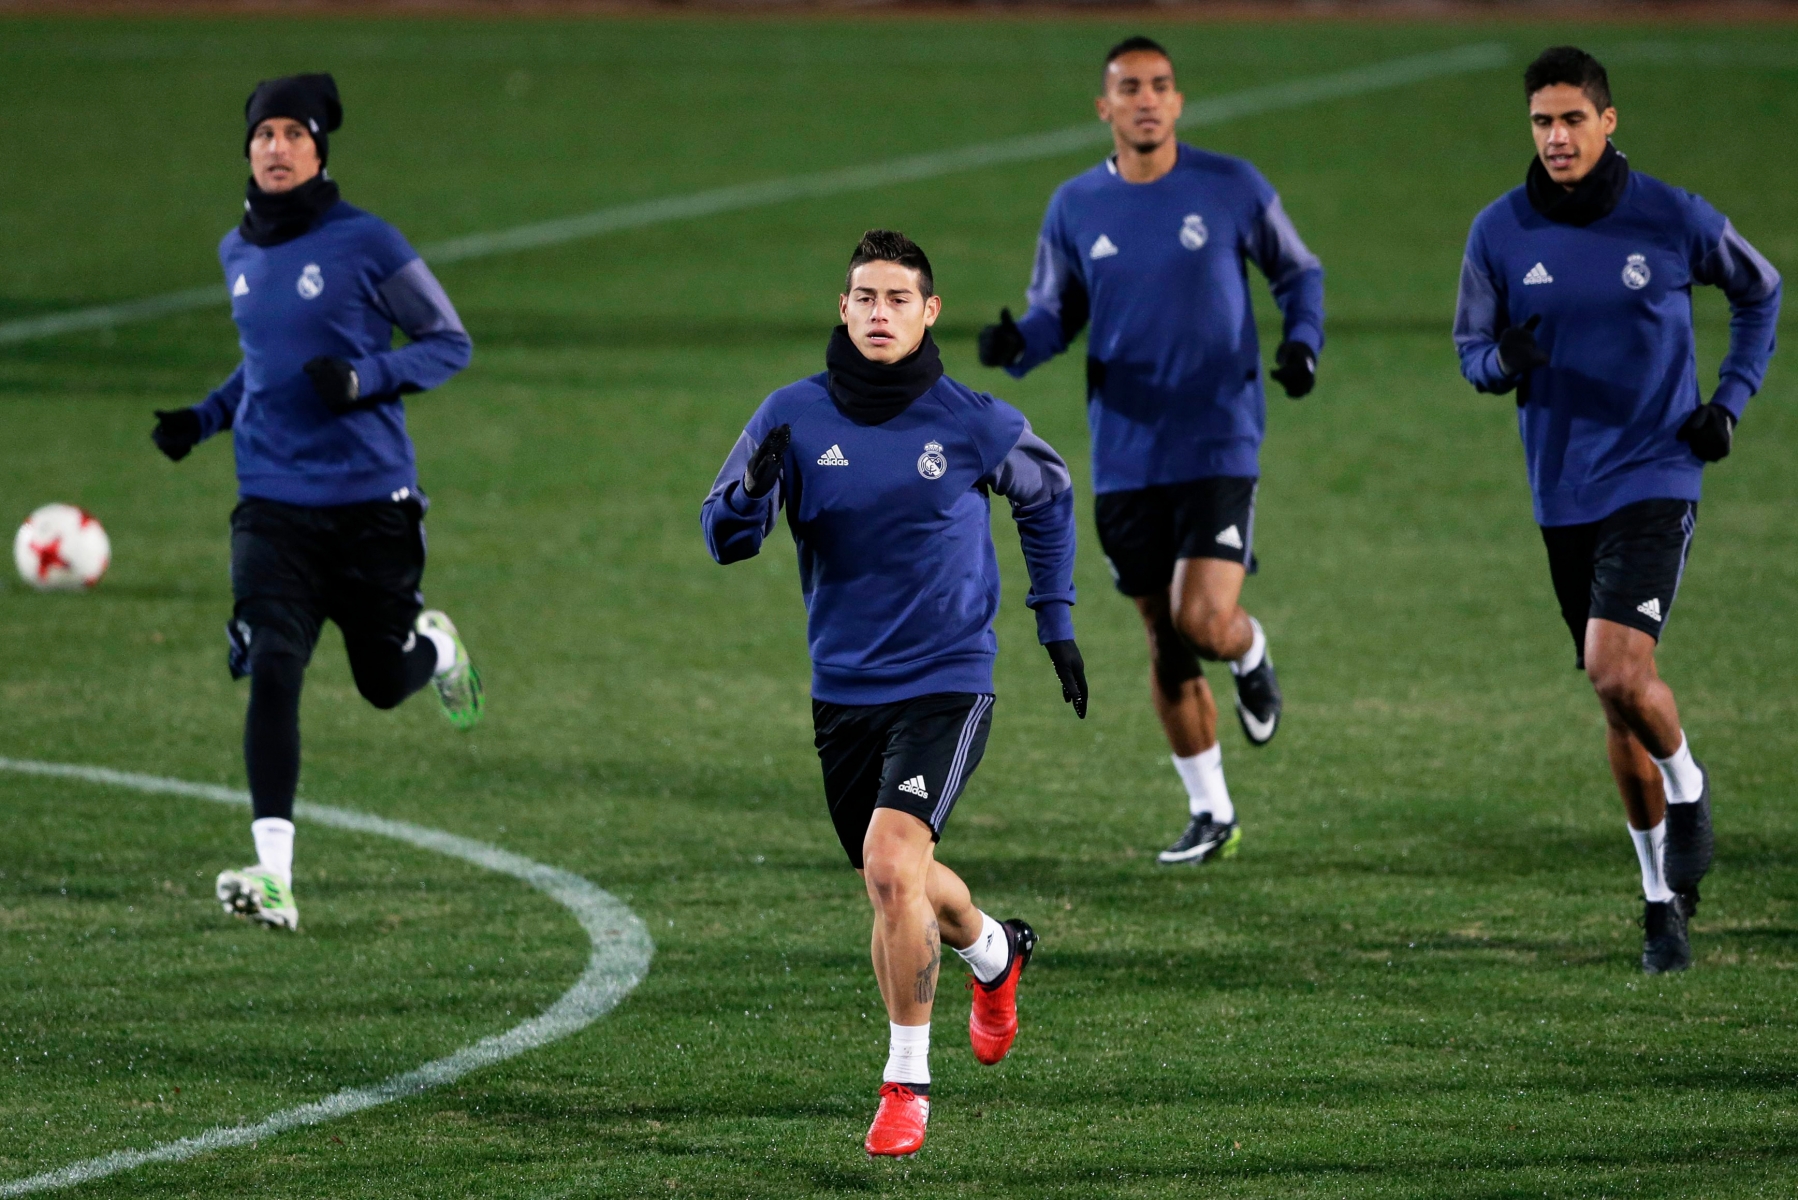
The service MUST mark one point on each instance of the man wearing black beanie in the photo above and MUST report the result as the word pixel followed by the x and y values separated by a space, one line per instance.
pixel 329 523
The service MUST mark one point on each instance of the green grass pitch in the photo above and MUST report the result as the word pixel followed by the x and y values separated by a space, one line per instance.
pixel 1418 979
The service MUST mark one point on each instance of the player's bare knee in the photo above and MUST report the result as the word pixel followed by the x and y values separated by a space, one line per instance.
pixel 1205 630
pixel 1619 682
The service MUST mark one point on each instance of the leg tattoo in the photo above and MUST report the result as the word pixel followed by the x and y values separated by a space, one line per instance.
pixel 925 987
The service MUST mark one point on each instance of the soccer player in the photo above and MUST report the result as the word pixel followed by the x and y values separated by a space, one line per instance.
pixel 1151 247
pixel 884 465
pixel 1576 293
pixel 329 522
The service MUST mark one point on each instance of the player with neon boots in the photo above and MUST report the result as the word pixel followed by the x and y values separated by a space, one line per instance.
pixel 1150 248
pixel 1576 293
pixel 885 465
pixel 329 521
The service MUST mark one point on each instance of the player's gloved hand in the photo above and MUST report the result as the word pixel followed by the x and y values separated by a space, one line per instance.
pixel 335 382
pixel 1001 344
pixel 763 470
pixel 177 432
pixel 1709 431
pixel 1295 366
pixel 1070 668
pixel 1517 348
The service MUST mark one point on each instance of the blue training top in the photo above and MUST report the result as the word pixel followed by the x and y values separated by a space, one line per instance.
pixel 1174 365
pixel 339 289
pixel 1599 422
pixel 894 533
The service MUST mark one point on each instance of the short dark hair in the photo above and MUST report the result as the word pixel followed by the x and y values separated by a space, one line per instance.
pixel 1131 45
pixel 1569 64
pixel 889 245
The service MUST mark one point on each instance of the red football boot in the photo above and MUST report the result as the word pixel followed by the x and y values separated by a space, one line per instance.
pixel 898 1128
pixel 993 1021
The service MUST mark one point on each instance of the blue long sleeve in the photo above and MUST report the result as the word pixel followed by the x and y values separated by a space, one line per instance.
pixel 219 409
pixel 439 346
pixel 1035 480
pixel 1753 287
pixel 1294 274
pixel 1479 311
pixel 734 523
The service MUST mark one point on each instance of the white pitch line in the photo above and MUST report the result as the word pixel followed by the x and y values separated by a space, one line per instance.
pixel 1360 81
pixel 620 958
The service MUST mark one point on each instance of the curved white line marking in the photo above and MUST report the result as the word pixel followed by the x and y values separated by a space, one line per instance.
pixel 620 958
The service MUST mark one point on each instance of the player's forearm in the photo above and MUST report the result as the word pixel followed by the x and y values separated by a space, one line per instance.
pixel 1047 534
pixel 1301 303
pixel 427 363
pixel 1752 329
pixel 219 410
pixel 735 523
pixel 1043 339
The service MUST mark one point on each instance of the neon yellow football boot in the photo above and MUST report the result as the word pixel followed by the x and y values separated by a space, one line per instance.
pixel 257 894
pixel 459 688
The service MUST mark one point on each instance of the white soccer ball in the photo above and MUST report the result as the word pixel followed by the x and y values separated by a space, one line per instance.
pixel 61 548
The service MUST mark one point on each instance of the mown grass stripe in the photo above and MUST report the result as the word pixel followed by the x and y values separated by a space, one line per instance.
pixel 1255 101
pixel 620 958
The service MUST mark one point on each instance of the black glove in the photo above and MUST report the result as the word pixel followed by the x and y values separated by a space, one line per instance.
pixel 1295 366
pixel 1001 344
pixel 763 471
pixel 178 431
pixel 1517 348
pixel 1071 670
pixel 335 382
pixel 1709 431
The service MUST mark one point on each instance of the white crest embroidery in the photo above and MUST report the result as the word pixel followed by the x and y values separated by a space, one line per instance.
pixel 931 463
pixel 1636 273
pixel 311 282
pixel 1193 233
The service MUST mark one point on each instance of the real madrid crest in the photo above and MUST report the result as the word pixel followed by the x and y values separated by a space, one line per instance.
pixel 1635 272
pixel 1193 233
pixel 931 463
pixel 311 283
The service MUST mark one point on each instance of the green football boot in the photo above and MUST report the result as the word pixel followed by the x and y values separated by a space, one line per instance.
pixel 459 688
pixel 257 894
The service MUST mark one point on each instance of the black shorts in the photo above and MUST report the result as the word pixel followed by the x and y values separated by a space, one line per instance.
pixel 292 568
pixel 1625 568
pixel 913 755
pixel 1144 532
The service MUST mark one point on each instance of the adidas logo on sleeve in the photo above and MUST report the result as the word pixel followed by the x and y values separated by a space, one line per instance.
pixel 915 785
pixel 1537 274
pixel 833 457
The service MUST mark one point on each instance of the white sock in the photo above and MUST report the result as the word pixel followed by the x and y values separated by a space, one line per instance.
pixel 1680 776
pixel 1257 651
pixel 1651 850
pixel 274 846
pixel 1203 775
pixel 908 1054
pixel 990 954
pixel 446 649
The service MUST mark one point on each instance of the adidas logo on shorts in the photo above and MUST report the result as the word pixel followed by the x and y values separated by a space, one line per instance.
pixel 915 785
pixel 1650 608
pixel 1230 537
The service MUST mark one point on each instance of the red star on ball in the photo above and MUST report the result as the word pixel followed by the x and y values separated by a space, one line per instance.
pixel 49 557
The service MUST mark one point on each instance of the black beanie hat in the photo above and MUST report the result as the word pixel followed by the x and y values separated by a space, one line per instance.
pixel 309 99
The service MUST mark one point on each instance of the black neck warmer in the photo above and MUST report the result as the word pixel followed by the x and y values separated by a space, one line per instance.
pixel 874 393
pixel 1591 198
pixel 270 218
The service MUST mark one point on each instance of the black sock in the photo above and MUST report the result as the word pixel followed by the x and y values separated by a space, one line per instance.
pixel 271 734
